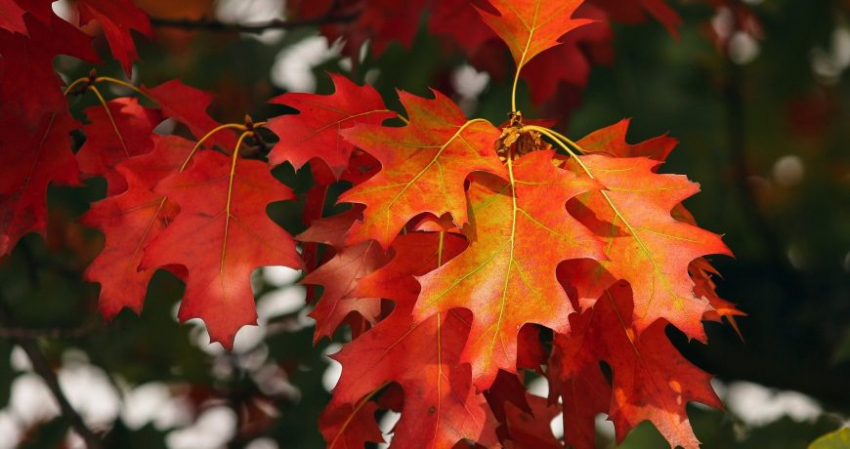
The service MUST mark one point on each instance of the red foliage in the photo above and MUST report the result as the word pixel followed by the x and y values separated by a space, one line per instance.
pixel 462 241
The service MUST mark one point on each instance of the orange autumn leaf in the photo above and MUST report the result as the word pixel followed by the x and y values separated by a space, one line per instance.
pixel 504 277
pixel 530 27
pixel 644 244
pixel 423 166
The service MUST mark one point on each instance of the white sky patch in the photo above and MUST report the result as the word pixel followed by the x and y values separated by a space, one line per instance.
pixel 829 64
pixel 469 83
pixel 331 375
pixel 252 12
pixel 273 381
pixel 19 360
pixel 758 405
pixel 280 276
pixel 155 403
pixel 282 301
pixel 31 401
pixel 557 425
pixel 10 431
pixel 90 392
pixel 262 443
pixel 293 66
pixel 788 171
pixel 743 48
pixel 248 337
pixel 723 22
pixel 604 426
pixel 212 430
pixel 386 424
pixel 66 10
pixel 539 387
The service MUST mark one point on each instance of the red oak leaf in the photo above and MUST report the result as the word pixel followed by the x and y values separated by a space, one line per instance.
pixel 314 132
pixel 331 230
pixel 531 430
pixel 611 141
pixel 130 221
pixel 460 20
pixel 378 21
pixel 12 17
pixel 32 89
pixel 424 166
pixel 651 380
pixel 440 406
pixel 339 276
pixel 644 244
pixel 347 426
pixel 529 27
pixel 117 18
pixel 504 277
pixel 188 106
pixel 31 161
pixel 113 137
pixel 634 11
pixel 570 62
pixel 590 279
pixel 221 235
pixel 507 390
pixel 575 376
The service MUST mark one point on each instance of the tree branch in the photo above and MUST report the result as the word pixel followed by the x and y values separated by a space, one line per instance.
pixel 42 367
pixel 255 28
pixel 20 333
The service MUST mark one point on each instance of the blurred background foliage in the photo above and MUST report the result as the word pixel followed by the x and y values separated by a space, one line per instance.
pixel 762 114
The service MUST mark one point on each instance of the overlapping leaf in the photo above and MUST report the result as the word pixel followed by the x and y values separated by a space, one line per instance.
pixel 380 22
pixel 314 132
pixel 31 161
pixel 188 106
pixel 504 277
pixel 125 131
pixel 12 17
pixel 424 166
pixel 612 141
pixel 221 235
pixel 632 215
pixel 340 274
pixel 347 426
pixel 651 380
pixel 117 18
pixel 32 89
pixel 634 11
pixel 440 407
pixel 129 222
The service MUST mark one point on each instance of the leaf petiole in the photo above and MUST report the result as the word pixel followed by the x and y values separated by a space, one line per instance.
pixel 110 117
pixel 561 141
pixel 118 82
pixel 236 126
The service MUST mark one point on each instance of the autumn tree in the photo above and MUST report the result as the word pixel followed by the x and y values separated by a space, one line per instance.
pixel 457 258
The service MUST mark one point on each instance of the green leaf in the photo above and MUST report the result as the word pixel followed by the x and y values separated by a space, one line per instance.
pixel 840 439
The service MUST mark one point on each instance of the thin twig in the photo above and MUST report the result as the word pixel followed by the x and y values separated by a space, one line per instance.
pixel 20 333
pixel 255 28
